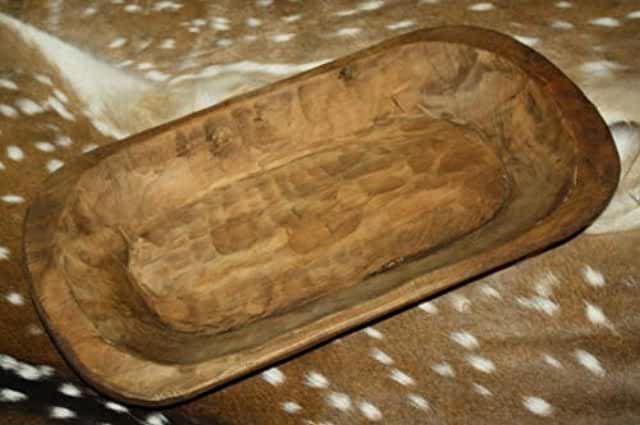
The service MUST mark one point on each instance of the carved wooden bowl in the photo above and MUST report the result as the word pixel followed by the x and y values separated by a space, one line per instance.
pixel 201 250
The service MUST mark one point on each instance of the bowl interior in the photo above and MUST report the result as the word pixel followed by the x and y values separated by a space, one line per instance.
pixel 284 208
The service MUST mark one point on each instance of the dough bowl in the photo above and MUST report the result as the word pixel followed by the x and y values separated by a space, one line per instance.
pixel 196 252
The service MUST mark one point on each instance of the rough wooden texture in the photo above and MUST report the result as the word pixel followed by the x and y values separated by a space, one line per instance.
pixel 201 250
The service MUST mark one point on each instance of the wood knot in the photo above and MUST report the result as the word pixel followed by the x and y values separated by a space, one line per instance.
pixel 346 73
pixel 219 140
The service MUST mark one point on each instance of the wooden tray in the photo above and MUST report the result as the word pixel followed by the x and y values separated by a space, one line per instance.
pixel 204 249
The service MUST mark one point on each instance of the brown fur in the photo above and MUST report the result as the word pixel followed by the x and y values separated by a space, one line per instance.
pixel 514 328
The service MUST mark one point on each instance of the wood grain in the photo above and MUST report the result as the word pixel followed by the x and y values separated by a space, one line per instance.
pixel 201 250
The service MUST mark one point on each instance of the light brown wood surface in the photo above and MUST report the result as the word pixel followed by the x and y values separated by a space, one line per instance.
pixel 203 249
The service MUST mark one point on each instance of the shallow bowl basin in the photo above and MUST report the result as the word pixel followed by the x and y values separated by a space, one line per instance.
pixel 196 252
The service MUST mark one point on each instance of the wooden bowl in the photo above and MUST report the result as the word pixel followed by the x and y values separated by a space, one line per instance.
pixel 207 248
